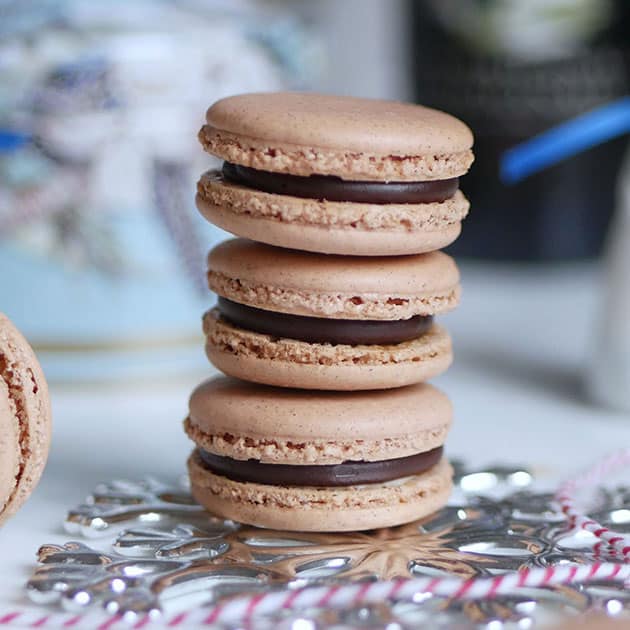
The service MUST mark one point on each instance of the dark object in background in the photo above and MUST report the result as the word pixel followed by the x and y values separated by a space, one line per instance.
pixel 507 94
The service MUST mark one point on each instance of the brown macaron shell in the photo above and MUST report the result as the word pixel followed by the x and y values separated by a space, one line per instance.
pixel 329 227
pixel 353 508
pixel 336 287
pixel 243 420
pixel 292 363
pixel 352 138
pixel 331 287
pixel 25 419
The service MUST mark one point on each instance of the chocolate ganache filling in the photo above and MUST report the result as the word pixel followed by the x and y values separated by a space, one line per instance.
pixel 321 330
pixel 331 188
pixel 346 474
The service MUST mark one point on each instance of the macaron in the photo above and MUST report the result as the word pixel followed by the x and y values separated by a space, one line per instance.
pixel 335 174
pixel 301 460
pixel 298 319
pixel 25 420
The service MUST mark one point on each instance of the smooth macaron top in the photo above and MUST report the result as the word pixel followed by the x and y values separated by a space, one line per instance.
pixel 25 419
pixel 359 287
pixel 353 138
pixel 341 122
pixel 369 425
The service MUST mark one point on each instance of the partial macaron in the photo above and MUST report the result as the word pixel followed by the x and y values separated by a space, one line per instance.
pixel 25 420
pixel 298 319
pixel 318 461
pixel 335 174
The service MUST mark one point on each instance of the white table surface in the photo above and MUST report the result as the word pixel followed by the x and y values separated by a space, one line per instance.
pixel 522 338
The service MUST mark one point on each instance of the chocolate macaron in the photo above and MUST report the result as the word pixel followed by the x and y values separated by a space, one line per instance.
pixel 335 174
pixel 299 319
pixel 25 420
pixel 318 461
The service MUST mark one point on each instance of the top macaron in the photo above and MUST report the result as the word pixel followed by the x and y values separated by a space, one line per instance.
pixel 335 174
pixel 352 138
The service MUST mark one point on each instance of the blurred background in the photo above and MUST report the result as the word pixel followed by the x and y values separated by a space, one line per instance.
pixel 101 249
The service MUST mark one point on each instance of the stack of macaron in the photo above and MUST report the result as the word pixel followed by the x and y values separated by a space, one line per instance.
pixel 325 320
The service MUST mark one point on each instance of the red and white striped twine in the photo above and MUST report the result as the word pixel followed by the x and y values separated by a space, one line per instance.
pixel 611 543
pixel 243 609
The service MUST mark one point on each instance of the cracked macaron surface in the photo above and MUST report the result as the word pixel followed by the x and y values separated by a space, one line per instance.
pixel 25 420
